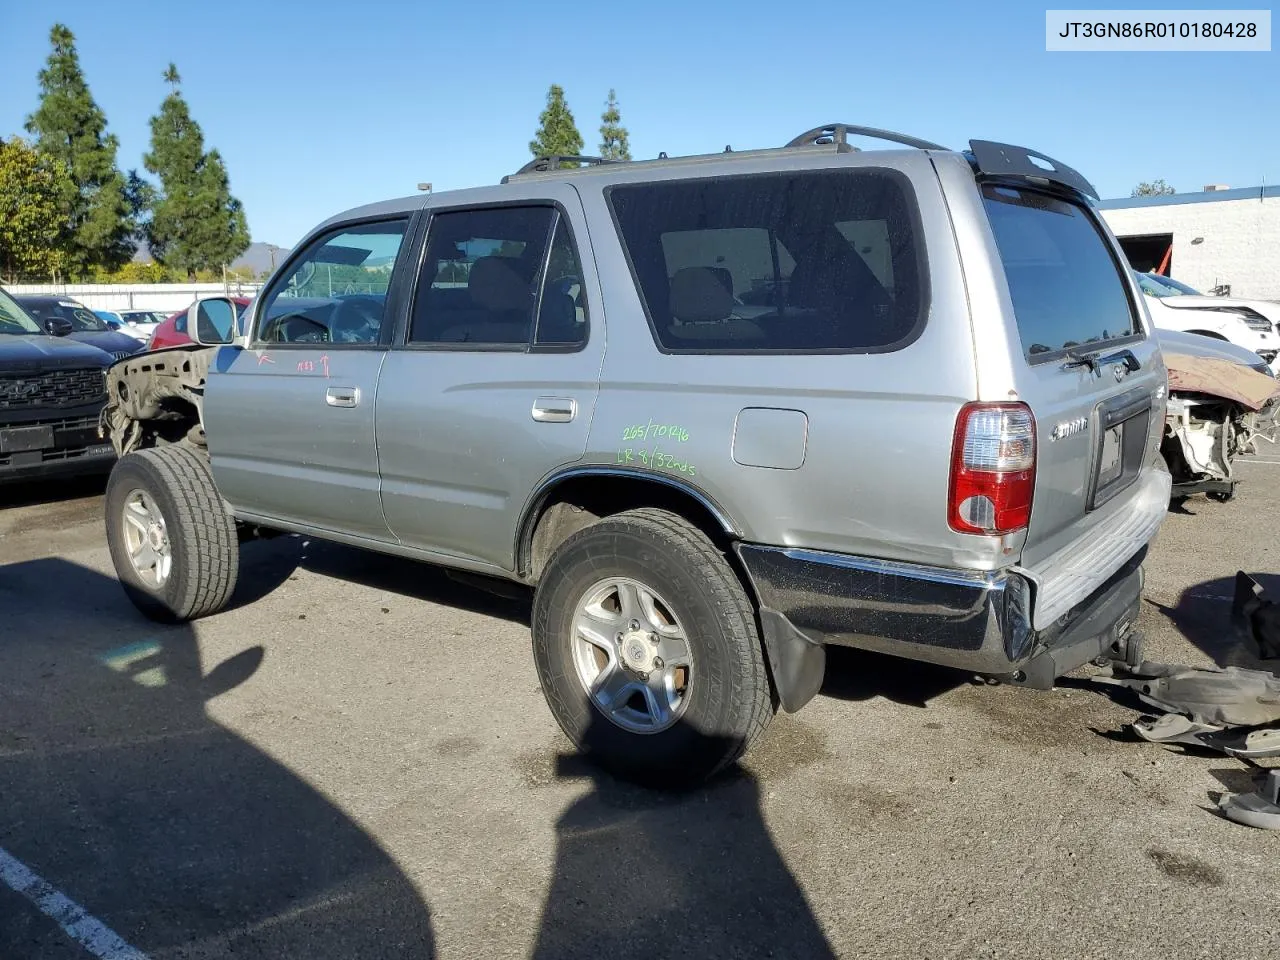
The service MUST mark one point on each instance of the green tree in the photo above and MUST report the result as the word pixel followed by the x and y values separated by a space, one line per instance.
pixel 70 127
pixel 138 272
pixel 140 196
pixel 614 142
pixel 557 134
pixel 33 186
pixel 196 224
pixel 1154 188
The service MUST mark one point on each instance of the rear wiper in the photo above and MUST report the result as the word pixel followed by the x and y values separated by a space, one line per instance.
pixel 1081 360
pixel 1096 363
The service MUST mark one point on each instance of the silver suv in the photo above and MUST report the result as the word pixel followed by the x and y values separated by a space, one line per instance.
pixel 718 411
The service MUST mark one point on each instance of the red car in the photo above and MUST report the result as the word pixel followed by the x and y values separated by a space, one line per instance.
pixel 173 331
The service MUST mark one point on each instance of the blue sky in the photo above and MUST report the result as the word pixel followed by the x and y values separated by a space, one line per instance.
pixel 317 107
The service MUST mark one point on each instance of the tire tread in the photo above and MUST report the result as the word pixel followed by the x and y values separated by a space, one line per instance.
pixel 208 532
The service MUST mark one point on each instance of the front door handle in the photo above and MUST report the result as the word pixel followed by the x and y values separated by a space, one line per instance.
pixel 342 396
pixel 555 409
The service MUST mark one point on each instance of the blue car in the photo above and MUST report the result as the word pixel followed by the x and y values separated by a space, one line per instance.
pixel 64 317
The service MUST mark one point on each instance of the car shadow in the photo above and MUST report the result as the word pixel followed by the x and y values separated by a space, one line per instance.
pixel 34 493
pixel 693 873
pixel 267 564
pixel 122 792
pixel 1203 615
pixel 862 675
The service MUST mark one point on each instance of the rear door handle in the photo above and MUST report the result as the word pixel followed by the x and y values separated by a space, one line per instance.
pixel 555 409
pixel 342 396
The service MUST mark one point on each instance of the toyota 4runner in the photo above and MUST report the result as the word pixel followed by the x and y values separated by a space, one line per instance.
pixel 718 411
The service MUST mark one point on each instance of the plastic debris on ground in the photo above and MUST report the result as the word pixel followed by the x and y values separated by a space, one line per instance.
pixel 1231 710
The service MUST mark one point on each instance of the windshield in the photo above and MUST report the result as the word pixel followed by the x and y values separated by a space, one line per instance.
pixel 13 319
pixel 1176 289
pixel 1151 286
pixel 142 316
pixel 81 318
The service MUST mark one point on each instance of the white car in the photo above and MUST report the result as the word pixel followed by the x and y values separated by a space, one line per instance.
pixel 1186 297
pixel 1239 321
pixel 138 324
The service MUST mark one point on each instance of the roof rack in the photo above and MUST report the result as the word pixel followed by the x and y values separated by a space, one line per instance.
pixel 987 156
pixel 839 133
pixel 552 162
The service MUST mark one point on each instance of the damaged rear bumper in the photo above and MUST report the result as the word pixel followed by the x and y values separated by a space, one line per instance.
pixel 980 622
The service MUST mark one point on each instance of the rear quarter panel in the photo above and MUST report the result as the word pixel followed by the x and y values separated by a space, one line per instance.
pixel 877 428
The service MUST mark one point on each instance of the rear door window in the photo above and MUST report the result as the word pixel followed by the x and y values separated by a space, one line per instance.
pixel 481 279
pixel 808 262
pixel 1068 291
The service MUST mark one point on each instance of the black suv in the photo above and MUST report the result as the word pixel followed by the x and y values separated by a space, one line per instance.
pixel 63 317
pixel 52 391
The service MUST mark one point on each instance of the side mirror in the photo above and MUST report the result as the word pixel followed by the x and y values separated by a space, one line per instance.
pixel 58 326
pixel 212 322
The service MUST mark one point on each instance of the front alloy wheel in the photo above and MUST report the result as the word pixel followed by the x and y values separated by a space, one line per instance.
pixel 146 539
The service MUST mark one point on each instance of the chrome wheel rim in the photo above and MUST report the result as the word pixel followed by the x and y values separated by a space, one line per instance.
pixel 146 539
pixel 632 655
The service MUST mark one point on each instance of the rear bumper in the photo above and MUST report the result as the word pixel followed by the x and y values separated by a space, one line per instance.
pixel 980 622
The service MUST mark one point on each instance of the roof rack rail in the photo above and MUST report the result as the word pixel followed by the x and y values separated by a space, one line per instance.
pixel 839 133
pixel 1005 159
pixel 542 164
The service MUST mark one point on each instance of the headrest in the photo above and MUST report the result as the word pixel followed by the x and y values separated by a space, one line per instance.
pixel 495 285
pixel 723 275
pixel 698 295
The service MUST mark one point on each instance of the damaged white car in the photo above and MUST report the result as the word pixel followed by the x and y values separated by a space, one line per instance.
pixel 1222 400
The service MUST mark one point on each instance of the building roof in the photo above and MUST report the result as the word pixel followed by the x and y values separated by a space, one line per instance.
pixel 1204 196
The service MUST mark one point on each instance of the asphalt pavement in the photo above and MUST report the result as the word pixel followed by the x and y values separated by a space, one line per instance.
pixel 356 761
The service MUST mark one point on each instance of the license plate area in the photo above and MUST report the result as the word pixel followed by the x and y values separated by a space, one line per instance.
pixel 23 439
pixel 1122 425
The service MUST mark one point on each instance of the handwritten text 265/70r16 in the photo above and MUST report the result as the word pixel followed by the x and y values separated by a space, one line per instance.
pixel 655 431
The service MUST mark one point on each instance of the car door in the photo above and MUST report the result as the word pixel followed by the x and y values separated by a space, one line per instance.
pixel 492 386
pixel 290 418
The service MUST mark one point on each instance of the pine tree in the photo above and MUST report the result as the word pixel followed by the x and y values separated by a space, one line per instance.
pixel 196 223
pixel 557 134
pixel 614 142
pixel 70 128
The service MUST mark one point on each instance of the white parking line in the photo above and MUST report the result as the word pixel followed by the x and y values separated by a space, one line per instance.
pixel 91 934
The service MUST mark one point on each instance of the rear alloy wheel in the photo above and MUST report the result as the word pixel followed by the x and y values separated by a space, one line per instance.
pixel 632 655
pixel 647 649
pixel 173 544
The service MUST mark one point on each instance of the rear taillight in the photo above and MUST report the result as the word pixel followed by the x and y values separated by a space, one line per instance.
pixel 993 468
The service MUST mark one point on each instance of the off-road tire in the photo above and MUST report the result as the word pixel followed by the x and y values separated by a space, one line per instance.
pixel 202 535
pixel 731 699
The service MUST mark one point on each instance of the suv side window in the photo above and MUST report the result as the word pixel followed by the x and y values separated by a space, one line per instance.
pixel 808 262
pixel 481 279
pixel 336 291
pixel 562 312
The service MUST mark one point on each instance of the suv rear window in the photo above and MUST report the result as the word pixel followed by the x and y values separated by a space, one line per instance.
pixel 814 261
pixel 1067 289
